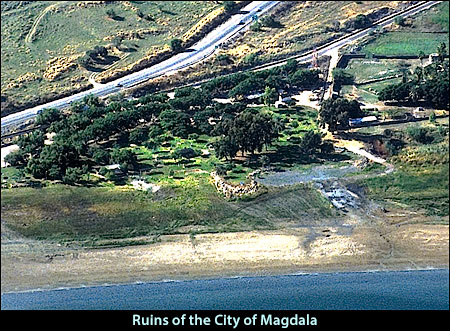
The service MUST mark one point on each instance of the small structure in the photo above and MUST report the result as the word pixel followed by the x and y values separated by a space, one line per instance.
pixel 115 168
pixel 280 104
pixel 283 96
pixel 419 112
pixel 144 186
pixel 432 58
pixel 362 120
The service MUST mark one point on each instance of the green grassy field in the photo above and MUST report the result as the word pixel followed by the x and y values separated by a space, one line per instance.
pixel 405 43
pixel 419 188
pixel 367 69
pixel 31 36
pixel 425 33
pixel 192 205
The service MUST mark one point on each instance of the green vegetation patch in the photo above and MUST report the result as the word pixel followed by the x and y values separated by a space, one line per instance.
pixel 405 43
pixel 65 213
pixel 421 177
pixel 425 33
pixel 416 187
pixel 33 32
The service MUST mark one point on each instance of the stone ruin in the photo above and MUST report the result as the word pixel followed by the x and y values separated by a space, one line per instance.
pixel 234 191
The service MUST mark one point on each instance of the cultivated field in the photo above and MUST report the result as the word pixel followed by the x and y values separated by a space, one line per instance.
pixel 424 32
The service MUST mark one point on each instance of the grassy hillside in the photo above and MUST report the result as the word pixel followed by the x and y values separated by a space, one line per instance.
pixel 421 179
pixel 191 205
pixel 33 33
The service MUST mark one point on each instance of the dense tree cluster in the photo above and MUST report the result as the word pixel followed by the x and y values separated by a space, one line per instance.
pixel 429 84
pixel 67 145
pixel 336 112
pixel 93 56
pixel 248 132
pixel 241 84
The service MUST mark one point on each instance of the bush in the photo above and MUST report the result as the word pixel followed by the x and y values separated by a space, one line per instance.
pixel 176 45
pixel 72 175
pixel 419 134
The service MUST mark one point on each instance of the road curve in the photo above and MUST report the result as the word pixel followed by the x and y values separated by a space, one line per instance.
pixel 203 49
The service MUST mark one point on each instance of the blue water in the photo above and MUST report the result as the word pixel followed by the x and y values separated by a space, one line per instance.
pixel 428 289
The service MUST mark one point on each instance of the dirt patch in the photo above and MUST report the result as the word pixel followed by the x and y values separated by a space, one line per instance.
pixel 314 174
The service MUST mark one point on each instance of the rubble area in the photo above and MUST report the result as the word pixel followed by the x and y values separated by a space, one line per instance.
pixel 234 191
pixel 339 196
pixel 56 66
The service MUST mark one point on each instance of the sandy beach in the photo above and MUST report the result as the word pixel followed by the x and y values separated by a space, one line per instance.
pixel 30 265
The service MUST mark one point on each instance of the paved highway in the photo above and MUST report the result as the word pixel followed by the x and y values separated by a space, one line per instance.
pixel 202 50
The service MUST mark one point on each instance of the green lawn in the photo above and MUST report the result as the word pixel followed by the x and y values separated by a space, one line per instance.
pixel 368 69
pixel 421 178
pixel 424 187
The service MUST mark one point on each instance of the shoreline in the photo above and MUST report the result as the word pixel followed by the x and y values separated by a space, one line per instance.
pixel 299 273
pixel 293 251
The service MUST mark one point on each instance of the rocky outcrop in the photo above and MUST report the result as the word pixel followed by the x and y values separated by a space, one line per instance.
pixel 234 191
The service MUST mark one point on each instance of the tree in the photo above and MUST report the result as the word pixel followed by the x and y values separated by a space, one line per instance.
pixel 72 175
pixel 311 142
pixel 442 52
pixel 305 78
pixel 255 26
pixel 229 6
pixel 270 96
pixel 246 87
pixel 290 67
pixel 270 22
pixel 116 42
pixel 184 153
pixel 248 132
pixel 419 134
pixel 342 77
pixel 100 51
pixel 177 122
pixel 85 61
pixel 226 147
pixel 16 158
pixel 33 143
pixel 220 169
pixel 336 25
pixel 138 136
pixel 126 158
pixel 176 45
pixel 202 120
pixel 359 22
pixel 99 155
pixel 111 13
pixel 336 113
pixel 265 161
pixel 400 21
pixel 422 56
pixel 48 116
pixel 432 117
